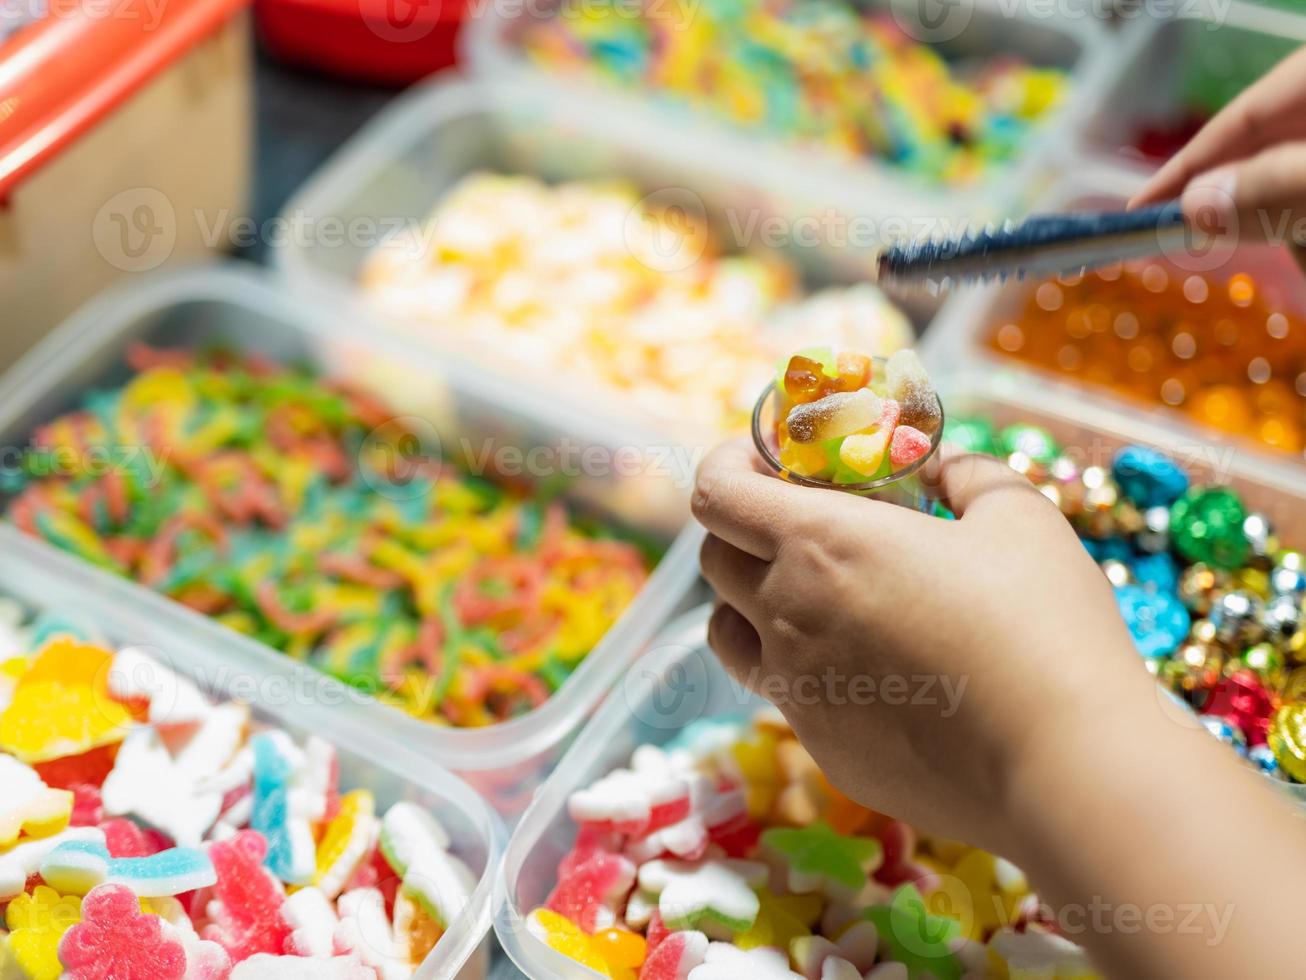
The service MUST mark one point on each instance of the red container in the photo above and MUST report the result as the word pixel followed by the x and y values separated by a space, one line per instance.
pixel 121 123
pixel 390 42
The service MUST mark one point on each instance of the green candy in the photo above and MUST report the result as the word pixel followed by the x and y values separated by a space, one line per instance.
pixel 1206 525
pixel 975 435
pixel 1035 442
pixel 820 859
pixel 921 941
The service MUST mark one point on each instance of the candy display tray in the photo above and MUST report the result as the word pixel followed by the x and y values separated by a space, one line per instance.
pixel 1156 59
pixel 1068 38
pixel 504 762
pixel 42 579
pixel 400 166
pixel 957 341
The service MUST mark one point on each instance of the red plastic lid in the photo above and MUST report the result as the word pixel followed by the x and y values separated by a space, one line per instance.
pixel 63 74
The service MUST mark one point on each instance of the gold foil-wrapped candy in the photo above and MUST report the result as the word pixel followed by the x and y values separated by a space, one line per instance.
pixel 1287 739
pixel 1198 586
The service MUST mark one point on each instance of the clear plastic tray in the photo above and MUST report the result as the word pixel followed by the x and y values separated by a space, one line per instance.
pixel 1069 37
pixel 46 580
pixel 680 680
pixel 504 761
pixel 1156 61
pixel 401 165
pixel 955 343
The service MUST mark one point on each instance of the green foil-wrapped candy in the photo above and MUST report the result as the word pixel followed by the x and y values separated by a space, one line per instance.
pixel 1031 440
pixel 1206 525
pixel 975 435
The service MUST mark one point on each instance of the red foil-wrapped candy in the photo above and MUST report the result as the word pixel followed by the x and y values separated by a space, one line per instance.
pixel 1242 700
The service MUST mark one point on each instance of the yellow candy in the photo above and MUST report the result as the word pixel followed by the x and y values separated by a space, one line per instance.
pixel 864 452
pixel 47 720
pixel 756 758
pixel 346 841
pixel 561 934
pixel 44 813
pixel 803 457
pixel 158 386
pixel 37 921
pixel 973 893
pixel 621 949
pixel 780 920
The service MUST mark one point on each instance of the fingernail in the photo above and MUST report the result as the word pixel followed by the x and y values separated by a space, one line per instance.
pixel 1209 203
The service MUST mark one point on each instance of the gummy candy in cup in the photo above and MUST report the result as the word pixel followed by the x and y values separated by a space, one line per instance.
pixel 860 442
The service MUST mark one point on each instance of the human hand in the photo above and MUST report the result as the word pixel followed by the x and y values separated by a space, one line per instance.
pixel 1002 614
pixel 1244 174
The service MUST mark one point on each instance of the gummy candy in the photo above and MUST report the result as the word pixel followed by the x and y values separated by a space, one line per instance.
pixel 675 957
pixel 274 510
pixel 818 859
pixel 115 939
pixel 37 921
pixel 24 859
pixel 823 431
pixel 711 894
pixel 346 842
pixel 592 892
pixel 560 933
pixel 264 966
pixel 284 806
pixel 796 899
pixel 312 921
pixel 27 806
pixel 76 867
pixel 245 909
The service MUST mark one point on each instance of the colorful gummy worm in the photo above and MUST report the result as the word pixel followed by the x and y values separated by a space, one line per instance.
pixel 1223 352
pixel 818 73
pixel 1213 599
pixel 295 510
pixel 725 853
pixel 146 831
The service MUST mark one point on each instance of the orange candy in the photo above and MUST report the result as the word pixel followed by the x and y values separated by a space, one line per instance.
pixel 1219 351
pixel 620 949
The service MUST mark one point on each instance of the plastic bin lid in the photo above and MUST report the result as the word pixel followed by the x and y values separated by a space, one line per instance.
pixel 66 72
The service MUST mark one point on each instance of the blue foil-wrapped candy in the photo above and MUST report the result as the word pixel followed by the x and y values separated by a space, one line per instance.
pixel 1159 571
pixel 1148 477
pixel 1226 731
pixel 1157 620
pixel 1263 758
pixel 1109 549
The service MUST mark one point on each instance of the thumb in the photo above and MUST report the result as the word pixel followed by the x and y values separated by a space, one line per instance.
pixel 1260 199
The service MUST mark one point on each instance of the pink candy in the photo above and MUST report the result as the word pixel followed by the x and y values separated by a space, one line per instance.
pixel 245 910
pixel 590 894
pixel 908 445
pixel 116 940
pixel 674 956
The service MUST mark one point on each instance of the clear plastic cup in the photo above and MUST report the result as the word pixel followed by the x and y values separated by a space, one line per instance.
pixel 906 487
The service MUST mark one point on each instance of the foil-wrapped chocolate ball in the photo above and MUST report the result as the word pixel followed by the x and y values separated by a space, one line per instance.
pixel 1286 580
pixel 1287 739
pixel 1199 585
pixel 1260 536
pixel 1237 618
pixel 1031 441
pixel 1193 672
pixel 1157 621
pixel 1158 571
pixel 1265 661
pixel 1282 619
pixel 1116 572
pixel 1263 758
pixel 1206 525
pixel 1226 731
pixel 1154 537
pixel 1148 477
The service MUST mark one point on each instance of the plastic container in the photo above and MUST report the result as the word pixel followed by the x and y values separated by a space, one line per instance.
pixel 1186 67
pixel 1070 38
pixel 123 125
pixel 504 761
pixel 395 172
pixel 957 341
pixel 391 42
pixel 41 579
